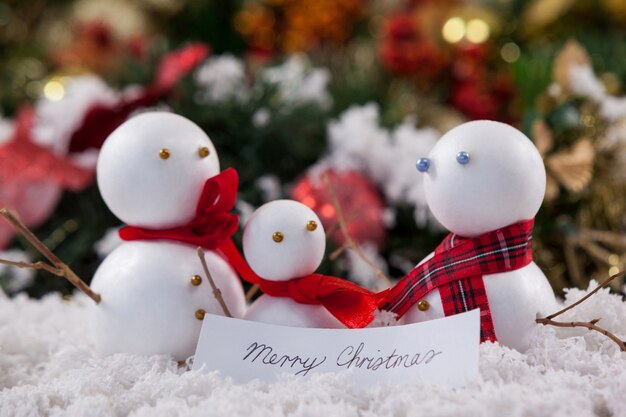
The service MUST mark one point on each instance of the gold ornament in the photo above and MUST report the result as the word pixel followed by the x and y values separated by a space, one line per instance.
pixel 164 153
pixel 278 237
pixel 571 55
pixel 196 280
pixel 541 13
pixel 204 152
pixel 200 313
pixel 311 225
pixel 572 168
pixel 423 305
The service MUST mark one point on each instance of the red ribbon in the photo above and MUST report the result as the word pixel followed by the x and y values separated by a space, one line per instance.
pixel 212 225
pixel 212 229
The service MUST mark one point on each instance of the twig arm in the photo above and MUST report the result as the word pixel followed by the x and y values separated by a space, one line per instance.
pixel 37 265
pixel 216 291
pixel 591 325
pixel 595 290
pixel 59 268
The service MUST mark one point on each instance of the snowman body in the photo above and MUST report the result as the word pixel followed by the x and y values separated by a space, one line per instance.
pixel 284 311
pixel 284 240
pixel 152 299
pixel 482 176
pixel 151 172
pixel 515 298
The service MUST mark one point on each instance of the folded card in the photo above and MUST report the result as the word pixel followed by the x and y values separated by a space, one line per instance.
pixel 443 351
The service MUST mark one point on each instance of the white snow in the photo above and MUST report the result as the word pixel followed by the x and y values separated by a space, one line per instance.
pixel 47 367
pixel 222 78
pixel 356 141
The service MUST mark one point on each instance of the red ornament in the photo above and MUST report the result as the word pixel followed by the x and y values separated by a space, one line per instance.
pixel 32 178
pixel 360 201
pixel 406 49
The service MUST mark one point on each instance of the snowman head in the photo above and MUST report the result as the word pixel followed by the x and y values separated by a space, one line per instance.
pixel 482 176
pixel 284 239
pixel 151 169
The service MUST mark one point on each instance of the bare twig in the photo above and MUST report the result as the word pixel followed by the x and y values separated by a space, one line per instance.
pixel 59 268
pixel 335 254
pixel 592 324
pixel 252 292
pixel 216 291
pixel 354 214
pixel 37 265
pixel 349 241
pixel 595 290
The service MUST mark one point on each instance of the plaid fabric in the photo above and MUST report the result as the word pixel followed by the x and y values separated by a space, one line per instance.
pixel 457 269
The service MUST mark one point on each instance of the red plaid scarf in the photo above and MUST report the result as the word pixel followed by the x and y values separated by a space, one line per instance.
pixel 457 270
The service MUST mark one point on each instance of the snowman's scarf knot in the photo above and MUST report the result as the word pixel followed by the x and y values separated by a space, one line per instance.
pixel 348 302
pixel 457 270
pixel 212 225
pixel 211 228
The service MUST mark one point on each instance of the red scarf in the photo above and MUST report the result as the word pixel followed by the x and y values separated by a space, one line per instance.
pixel 212 229
pixel 457 270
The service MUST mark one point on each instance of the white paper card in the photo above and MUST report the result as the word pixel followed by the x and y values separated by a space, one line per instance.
pixel 443 351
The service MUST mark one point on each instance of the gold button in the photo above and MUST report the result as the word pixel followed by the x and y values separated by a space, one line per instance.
pixel 196 280
pixel 203 152
pixel 278 237
pixel 200 314
pixel 423 305
pixel 311 225
pixel 164 153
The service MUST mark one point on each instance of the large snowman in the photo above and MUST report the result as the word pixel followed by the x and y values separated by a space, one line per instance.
pixel 285 240
pixel 480 177
pixel 151 172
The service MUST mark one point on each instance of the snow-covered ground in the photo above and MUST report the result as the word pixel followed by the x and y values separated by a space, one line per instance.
pixel 47 367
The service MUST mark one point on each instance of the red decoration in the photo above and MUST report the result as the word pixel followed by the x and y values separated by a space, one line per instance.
pixel 348 302
pixel 405 49
pixel 360 201
pixel 213 223
pixel 32 178
pixel 102 119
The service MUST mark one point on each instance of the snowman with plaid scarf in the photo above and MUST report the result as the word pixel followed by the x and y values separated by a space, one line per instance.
pixel 484 181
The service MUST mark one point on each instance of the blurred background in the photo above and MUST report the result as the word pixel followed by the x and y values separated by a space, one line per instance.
pixel 291 90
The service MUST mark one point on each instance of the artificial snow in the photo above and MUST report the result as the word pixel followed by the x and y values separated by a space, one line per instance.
pixel 48 367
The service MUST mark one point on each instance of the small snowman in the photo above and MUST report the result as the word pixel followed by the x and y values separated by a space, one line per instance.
pixel 284 243
pixel 152 171
pixel 484 181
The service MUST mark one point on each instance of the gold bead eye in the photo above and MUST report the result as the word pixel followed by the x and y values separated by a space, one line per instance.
pixel 278 237
pixel 164 153
pixel 311 225
pixel 423 305
pixel 204 152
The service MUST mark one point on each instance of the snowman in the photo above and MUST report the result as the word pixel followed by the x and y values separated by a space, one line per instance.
pixel 152 171
pixel 284 243
pixel 484 181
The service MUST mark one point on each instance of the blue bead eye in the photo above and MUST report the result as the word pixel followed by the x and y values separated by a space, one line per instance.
pixel 423 164
pixel 462 158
